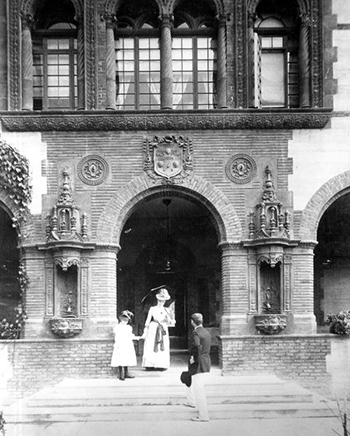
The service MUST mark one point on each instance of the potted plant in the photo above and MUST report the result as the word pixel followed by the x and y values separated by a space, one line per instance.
pixel 339 323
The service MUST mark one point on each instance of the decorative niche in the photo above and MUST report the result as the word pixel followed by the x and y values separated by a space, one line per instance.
pixel 67 261
pixel 270 261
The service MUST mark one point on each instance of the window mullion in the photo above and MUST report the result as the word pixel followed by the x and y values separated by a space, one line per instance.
pixel 137 73
pixel 71 74
pixel 195 72
pixel 45 75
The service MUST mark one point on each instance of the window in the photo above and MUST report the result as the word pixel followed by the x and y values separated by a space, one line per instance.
pixel 276 66
pixel 194 71
pixel 55 56
pixel 138 73
pixel 54 71
pixel 138 56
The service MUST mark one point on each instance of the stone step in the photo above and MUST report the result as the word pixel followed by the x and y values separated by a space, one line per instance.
pixel 166 412
pixel 163 394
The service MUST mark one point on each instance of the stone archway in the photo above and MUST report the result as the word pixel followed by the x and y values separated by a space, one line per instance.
pixel 220 211
pixel 321 200
pixel 121 206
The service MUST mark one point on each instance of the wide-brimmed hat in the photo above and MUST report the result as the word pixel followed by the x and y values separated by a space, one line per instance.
pixel 163 295
pixel 186 378
pixel 126 314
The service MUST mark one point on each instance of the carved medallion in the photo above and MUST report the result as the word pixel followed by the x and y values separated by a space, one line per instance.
pixel 168 159
pixel 93 170
pixel 240 168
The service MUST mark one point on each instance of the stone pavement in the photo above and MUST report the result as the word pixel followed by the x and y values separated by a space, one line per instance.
pixel 228 427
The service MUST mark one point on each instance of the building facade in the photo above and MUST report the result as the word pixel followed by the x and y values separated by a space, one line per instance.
pixel 200 145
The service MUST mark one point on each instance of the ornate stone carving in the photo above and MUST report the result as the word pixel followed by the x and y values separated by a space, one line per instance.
pixel 241 168
pixel 66 327
pixel 270 324
pixel 168 159
pixel 64 223
pixel 114 121
pixel 270 220
pixel 93 170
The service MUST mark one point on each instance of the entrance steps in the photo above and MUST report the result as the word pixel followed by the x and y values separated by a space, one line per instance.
pixel 160 395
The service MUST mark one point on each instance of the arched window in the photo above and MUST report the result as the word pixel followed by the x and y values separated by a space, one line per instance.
pixel 137 57
pixel 55 57
pixel 276 56
pixel 194 56
pixel 166 68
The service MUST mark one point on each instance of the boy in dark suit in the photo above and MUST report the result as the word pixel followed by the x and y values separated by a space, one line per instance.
pixel 199 365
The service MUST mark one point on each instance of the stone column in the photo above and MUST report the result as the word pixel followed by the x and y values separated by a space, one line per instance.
pixel 81 65
pixel 302 301
pixel 304 61
pixel 222 65
pixel 166 68
pixel 27 63
pixel 110 63
pixel 234 289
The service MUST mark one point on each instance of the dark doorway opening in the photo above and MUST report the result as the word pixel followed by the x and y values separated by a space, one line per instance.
pixel 332 262
pixel 171 241
pixel 10 294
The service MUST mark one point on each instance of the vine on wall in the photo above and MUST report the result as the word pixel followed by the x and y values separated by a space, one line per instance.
pixel 15 180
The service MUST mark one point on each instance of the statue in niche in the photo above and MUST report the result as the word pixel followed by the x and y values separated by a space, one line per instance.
pixel 271 300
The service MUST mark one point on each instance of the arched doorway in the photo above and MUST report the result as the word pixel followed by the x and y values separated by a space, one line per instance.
pixel 10 293
pixel 332 260
pixel 170 240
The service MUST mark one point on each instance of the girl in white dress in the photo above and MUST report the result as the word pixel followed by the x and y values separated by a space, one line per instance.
pixel 156 351
pixel 124 351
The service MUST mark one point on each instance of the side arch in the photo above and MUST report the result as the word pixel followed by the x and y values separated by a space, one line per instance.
pixel 122 204
pixel 320 201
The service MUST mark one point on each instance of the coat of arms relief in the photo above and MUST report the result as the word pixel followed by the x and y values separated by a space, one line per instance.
pixel 168 160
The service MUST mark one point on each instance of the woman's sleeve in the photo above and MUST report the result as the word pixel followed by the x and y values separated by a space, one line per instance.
pixel 149 317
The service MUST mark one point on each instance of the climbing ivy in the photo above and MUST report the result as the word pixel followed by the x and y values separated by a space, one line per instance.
pixel 15 178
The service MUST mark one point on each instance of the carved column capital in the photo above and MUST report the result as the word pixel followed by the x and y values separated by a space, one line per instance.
pixel 166 20
pixel 110 19
pixel 27 21
pixel 222 19
pixel 306 19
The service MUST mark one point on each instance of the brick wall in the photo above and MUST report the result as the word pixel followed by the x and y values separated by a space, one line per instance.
pixel 36 364
pixel 289 357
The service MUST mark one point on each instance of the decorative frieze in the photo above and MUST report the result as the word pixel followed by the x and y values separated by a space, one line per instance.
pixel 213 120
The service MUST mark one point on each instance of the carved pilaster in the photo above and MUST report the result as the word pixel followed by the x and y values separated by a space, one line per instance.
pixel 49 287
pixel 14 59
pixel 110 61
pixel 27 63
pixel 81 64
pixel 89 50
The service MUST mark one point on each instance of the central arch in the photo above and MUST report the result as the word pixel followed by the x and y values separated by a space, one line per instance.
pixel 124 201
pixel 197 283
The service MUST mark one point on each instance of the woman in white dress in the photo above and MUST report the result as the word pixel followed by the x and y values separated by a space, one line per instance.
pixel 124 351
pixel 156 351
